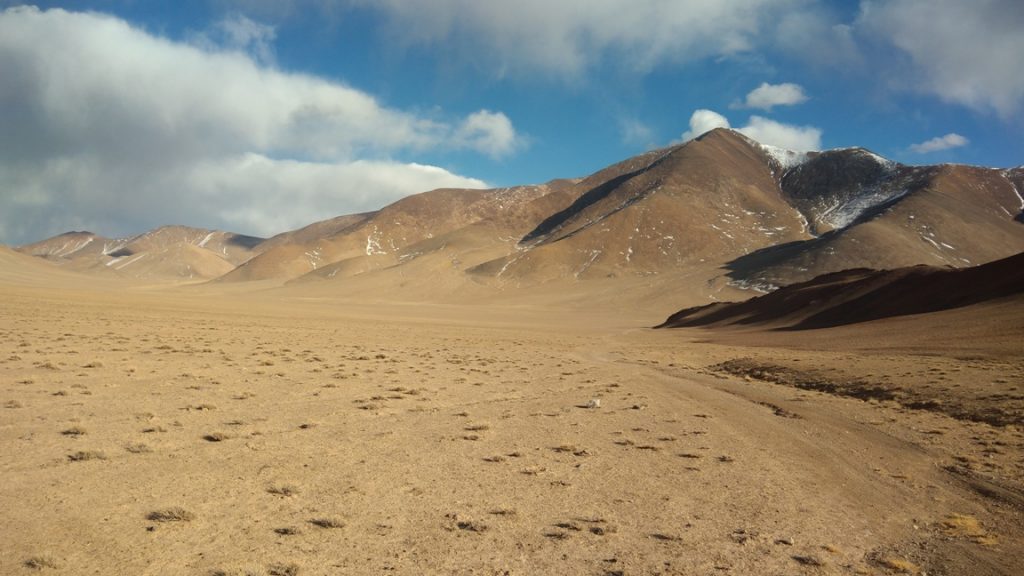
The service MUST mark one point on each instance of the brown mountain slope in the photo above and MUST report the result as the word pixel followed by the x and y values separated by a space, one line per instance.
pixel 670 218
pixel 775 217
pixel 24 270
pixel 172 253
pixel 384 238
pixel 941 215
pixel 77 245
pixel 709 200
pixel 861 295
pixel 315 231
pixel 699 220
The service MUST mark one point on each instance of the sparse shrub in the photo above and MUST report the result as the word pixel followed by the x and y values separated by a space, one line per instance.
pixel 83 455
pixel 327 522
pixel 173 514
pixel 283 489
pixel 283 570
pixel 899 565
pixel 40 562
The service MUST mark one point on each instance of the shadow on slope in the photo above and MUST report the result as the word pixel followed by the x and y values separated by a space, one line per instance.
pixel 861 295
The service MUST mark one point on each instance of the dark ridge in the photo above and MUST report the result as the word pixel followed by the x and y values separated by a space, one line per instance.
pixel 862 295
pixel 833 170
pixel 121 252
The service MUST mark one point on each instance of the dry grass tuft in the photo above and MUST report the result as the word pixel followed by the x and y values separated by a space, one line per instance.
pixel 963 526
pixel 217 437
pixel 808 560
pixel 83 455
pixel 603 530
pixel 73 431
pixel 327 522
pixel 283 489
pixel 899 565
pixel 283 570
pixel 471 526
pixel 40 562
pixel 173 514
pixel 138 448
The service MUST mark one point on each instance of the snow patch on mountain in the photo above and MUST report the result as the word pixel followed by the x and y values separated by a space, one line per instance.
pixel 786 159
pixel 842 215
pixel 1006 174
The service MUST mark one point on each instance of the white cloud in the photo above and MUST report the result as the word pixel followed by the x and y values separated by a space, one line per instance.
pixel 964 52
pixel 951 140
pixel 816 35
pixel 782 135
pixel 569 36
pixel 249 36
pixel 109 127
pixel 767 96
pixel 704 120
pixel 488 132
pixel 763 130
pixel 304 191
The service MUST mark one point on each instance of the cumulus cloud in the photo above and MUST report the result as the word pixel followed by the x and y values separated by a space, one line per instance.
pixel 767 96
pixel 570 36
pixel 964 52
pixel 951 140
pixel 488 132
pixel 782 135
pixel 704 120
pixel 763 130
pixel 109 127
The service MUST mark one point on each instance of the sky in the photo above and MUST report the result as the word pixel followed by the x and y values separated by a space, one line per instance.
pixel 261 116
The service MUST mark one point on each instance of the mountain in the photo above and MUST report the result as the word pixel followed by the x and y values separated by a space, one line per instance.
pixel 771 217
pixel 861 295
pixel 708 201
pixel 166 253
pixel 706 219
pixel 23 270
pixel 888 216
pixel 383 239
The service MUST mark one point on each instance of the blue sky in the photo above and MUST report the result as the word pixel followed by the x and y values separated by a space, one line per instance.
pixel 261 116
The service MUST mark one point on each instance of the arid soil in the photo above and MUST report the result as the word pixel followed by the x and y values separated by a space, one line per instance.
pixel 182 431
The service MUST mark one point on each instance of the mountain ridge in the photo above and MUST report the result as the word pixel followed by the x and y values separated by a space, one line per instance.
pixel 709 218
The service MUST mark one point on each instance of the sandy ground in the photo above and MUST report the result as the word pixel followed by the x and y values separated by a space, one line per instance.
pixel 184 432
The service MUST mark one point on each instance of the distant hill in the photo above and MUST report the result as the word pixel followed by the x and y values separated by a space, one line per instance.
pixel 167 253
pixel 862 295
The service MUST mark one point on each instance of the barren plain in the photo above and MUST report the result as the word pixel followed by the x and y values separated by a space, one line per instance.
pixel 190 431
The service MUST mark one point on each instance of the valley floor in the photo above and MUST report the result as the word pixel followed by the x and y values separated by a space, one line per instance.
pixel 180 432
